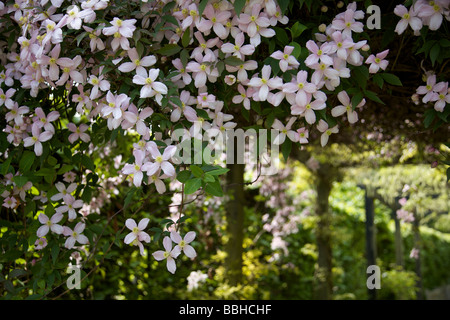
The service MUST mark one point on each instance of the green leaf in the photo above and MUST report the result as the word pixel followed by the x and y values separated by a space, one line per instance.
pixel 430 114
pixel 55 253
pixel 192 185
pixel 214 189
pixel 434 53
pixel 129 196
pixel 281 35
pixel 218 172
pixel 286 148
pixel 391 79
pixel 297 49
pixel 238 6
pixel 233 61
pixel 5 165
pixel 196 170
pixel 169 49
pixel 80 37
pixel 65 168
pixel 373 96
pixel 356 99
pixel 186 38
pixel 20 181
pixel 297 29
pixel 283 5
pixel 184 176
pixel 378 80
pixel 208 178
pixel 87 162
pixel 202 6
pixel 26 161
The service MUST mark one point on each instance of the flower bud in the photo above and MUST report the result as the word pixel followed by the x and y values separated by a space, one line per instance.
pixel 365 48
pixel 324 9
pixel 340 4
pixel 322 27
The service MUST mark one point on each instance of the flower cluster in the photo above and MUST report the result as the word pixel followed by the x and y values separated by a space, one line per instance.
pixel 433 91
pixel 170 253
pixel 422 13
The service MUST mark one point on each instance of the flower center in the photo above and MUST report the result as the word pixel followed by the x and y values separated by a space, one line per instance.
pixel 166 254
pixel 328 132
pixel 300 85
pixel 135 230
pixel 406 16
pixel 159 159
pixel 148 81
pixel 377 60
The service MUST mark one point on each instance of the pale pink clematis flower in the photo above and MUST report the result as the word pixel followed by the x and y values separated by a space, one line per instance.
pixel 169 254
pixel 238 50
pixel 136 62
pixel 308 109
pixel 124 27
pixel 264 84
pixel 432 13
pixel 49 224
pixel 243 96
pixel 136 168
pixel 252 23
pixel 69 70
pixel 36 139
pixel 70 204
pixel 9 202
pixel 157 179
pixel 63 190
pixel 161 161
pixel 40 243
pixel 287 60
pixel 303 135
pixel 134 117
pixel 242 69
pixel 137 234
pixel 326 131
pixel 115 103
pixel 202 71
pixel 16 113
pixel 300 87
pixel 347 23
pixel 317 53
pixel 183 243
pixel 414 254
pixel 121 30
pixel 5 97
pixel 442 98
pixel 285 131
pixel 430 89
pixel 78 132
pixel 346 106
pixel 94 35
pixel 185 109
pixel 75 235
pixel 98 83
pixel 377 62
pixel 186 77
pixel 408 17
pixel 150 86
pixel 44 121
pixel 215 20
